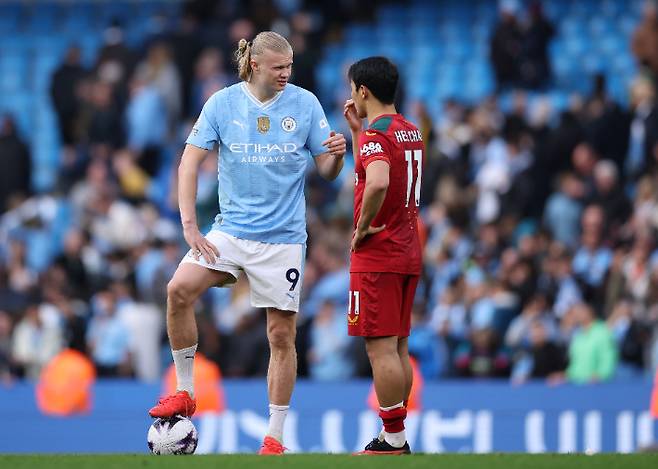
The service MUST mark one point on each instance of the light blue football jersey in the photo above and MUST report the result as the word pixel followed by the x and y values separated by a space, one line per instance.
pixel 263 152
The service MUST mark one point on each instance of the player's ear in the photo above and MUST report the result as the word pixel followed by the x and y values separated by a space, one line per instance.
pixel 364 92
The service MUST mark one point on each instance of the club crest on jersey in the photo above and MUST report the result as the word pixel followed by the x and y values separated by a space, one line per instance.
pixel 371 147
pixel 288 124
pixel 263 124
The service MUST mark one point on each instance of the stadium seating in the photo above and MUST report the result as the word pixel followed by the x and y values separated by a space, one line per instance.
pixel 33 39
pixel 445 53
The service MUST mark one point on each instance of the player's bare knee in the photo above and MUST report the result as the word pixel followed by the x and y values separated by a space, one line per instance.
pixel 281 337
pixel 380 349
pixel 179 296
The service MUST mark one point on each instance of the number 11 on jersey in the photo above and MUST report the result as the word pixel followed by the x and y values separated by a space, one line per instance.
pixel 410 157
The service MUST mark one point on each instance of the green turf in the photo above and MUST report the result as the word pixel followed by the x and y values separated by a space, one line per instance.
pixel 313 461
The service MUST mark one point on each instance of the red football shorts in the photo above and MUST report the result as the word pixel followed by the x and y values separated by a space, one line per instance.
pixel 380 304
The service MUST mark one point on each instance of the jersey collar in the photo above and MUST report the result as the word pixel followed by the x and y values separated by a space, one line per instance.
pixel 392 116
pixel 256 101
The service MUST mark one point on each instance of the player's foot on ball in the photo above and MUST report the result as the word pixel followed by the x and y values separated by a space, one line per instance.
pixel 271 447
pixel 381 447
pixel 177 404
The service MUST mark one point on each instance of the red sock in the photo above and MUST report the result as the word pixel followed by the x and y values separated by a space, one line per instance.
pixel 393 419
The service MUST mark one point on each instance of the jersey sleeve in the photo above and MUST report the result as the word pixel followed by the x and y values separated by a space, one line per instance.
pixel 205 132
pixel 373 146
pixel 319 130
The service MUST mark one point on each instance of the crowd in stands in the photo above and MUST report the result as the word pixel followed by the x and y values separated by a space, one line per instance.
pixel 539 224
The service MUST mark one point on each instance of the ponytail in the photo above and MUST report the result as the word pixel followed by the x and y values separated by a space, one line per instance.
pixel 243 58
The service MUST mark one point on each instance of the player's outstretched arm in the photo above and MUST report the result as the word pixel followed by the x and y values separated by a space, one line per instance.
pixel 330 163
pixel 188 170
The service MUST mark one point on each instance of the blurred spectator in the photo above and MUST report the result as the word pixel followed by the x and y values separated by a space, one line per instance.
pixel 15 165
pixel 449 319
pixel 563 210
pixel 64 93
pixel 71 261
pixel 610 196
pixel 482 356
pixel 642 128
pixel 430 354
pixel 567 292
pixel 535 69
pixel 592 259
pixel 102 123
pixel 592 352
pixel 631 337
pixel 186 44
pixel 645 38
pixel 506 46
pixel 115 62
pixel 147 122
pixel 21 277
pixel 645 207
pixel 6 359
pixel 637 271
pixel 159 70
pixel 519 333
pixel 144 325
pixel 209 77
pixel 305 62
pixel 37 338
pixel 542 358
pixel 108 337
pixel 583 160
pixel 328 359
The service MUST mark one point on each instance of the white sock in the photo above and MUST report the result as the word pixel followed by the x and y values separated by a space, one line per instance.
pixel 277 418
pixel 397 440
pixel 184 363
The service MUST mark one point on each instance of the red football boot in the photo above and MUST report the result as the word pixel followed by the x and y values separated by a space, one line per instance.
pixel 177 404
pixel 271 447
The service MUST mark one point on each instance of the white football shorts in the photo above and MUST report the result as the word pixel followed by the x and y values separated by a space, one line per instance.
pixel 274 271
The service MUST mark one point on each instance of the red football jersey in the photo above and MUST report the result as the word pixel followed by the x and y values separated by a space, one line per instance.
pixel 396 249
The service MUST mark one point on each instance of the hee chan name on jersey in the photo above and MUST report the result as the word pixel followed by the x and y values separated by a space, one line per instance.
pixel 408 136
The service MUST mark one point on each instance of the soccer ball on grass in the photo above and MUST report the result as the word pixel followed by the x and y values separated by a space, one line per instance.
pixel 175 435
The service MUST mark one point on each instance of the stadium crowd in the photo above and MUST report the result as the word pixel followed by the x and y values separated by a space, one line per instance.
pixel 539 224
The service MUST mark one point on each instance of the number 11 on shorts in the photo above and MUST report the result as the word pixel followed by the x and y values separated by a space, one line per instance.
pixel 353 308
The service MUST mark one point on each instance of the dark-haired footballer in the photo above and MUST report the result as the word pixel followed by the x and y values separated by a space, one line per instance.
pixel 386 254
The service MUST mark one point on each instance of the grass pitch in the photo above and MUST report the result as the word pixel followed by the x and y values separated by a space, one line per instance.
pixel 320 461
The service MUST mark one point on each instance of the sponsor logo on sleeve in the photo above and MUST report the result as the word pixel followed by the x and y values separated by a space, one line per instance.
pixel 371 148
pixel 324 123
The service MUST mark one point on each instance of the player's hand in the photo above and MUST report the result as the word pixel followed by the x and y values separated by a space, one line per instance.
pixel 352 118
pixel 200 246
pixel 359 234
pixel 336 144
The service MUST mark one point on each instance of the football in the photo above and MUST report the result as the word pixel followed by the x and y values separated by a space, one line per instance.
pixel 175 435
